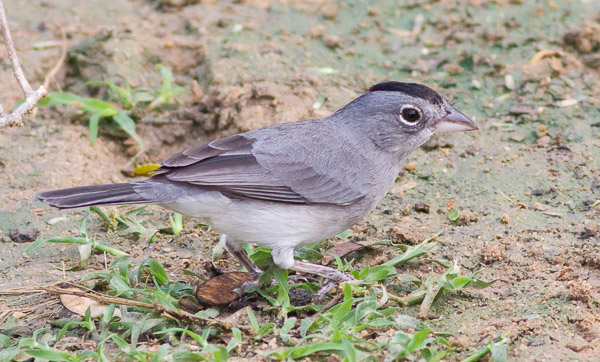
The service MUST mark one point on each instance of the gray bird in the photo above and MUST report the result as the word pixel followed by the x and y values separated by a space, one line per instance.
pixel 291 184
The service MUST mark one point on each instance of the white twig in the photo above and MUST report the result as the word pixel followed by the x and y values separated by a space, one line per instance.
pixel 31 97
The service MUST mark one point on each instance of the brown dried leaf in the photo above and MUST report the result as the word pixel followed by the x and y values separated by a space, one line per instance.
pixel 220 290
pixel 344 249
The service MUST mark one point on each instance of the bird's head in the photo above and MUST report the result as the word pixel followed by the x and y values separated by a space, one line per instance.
pixel 403 116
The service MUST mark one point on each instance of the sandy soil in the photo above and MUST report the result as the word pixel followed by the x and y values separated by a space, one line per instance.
pixel 525 183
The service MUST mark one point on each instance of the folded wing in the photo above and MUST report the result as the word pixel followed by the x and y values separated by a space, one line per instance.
pixel 234 167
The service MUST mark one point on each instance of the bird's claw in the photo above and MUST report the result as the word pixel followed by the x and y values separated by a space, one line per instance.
pixel 248 284
pixel 320 294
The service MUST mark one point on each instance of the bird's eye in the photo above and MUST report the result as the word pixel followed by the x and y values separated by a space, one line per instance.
pixel 410 115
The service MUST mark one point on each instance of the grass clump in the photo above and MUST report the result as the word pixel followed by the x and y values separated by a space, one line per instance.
pixel 369 320
pixel 122 104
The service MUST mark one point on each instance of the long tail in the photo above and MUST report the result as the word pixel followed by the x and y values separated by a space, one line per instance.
pixel 115 194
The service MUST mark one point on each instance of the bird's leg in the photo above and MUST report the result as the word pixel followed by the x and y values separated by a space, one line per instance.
pixel 335 276
pixel 236 250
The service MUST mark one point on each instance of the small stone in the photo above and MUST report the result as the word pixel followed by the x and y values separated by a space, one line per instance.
pixel 537 192
pixel 460 341
pixel 505 218
pixel 452 68
pixel 509 82
pixel 316 31
pixel 372 11
pixel 522 108
pixel 24 235
pixel 544 141
pixel 18 315
pixel 422 207
pixel 330 11
pixel 411 166
pixel 331 41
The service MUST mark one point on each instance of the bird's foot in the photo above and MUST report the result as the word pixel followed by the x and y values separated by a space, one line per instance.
pixel 319 297
pixel 298 278
pixel 334 277
pixel 248 285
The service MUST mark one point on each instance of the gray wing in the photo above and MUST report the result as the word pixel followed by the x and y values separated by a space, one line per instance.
pixel 235 167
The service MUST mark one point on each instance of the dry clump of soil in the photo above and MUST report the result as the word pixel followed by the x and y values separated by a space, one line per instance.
pixel 252 105
pixel 586 41
pixel 493 252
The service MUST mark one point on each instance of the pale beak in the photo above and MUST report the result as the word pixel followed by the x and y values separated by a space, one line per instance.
pixel 454 121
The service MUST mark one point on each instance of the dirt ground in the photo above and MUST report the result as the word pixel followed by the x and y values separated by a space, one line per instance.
pixel 527 72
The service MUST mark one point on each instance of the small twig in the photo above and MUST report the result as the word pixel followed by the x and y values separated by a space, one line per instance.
pixel 4 315
pixel 12 53
pixel 177 314
pixel 506 197
pixel 31 97
pixel 59 62
pixel 338 298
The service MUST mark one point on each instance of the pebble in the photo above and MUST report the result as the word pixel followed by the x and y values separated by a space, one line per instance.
pixel 509 82
pixel 522 108
pixel 544 141
pixel 24 235
pixel 331 41
pixel 411 166
pixel 18 315
pixel 422 207
pixel 372 11
pixel 330 11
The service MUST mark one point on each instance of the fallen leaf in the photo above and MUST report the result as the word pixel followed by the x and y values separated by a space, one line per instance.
pixel 78 304
pixel 344 249
pixel 221 289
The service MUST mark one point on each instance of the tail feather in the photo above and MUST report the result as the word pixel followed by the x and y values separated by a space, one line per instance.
pixel 115 194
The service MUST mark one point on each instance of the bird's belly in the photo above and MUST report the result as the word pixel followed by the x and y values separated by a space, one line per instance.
pixel 269 223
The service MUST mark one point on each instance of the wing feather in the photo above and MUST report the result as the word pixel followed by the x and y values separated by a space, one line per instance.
pixel 234 167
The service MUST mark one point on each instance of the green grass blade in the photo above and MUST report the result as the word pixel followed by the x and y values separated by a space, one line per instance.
pixel 94 120
pixel 156 269
pixel 50 354
pixel 128 125
pixel 302 351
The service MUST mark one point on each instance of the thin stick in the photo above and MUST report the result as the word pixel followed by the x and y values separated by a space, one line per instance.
pixel 31 97
pixel 177 314
pixel 333 302
pixel 59 62
pixel 12 53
